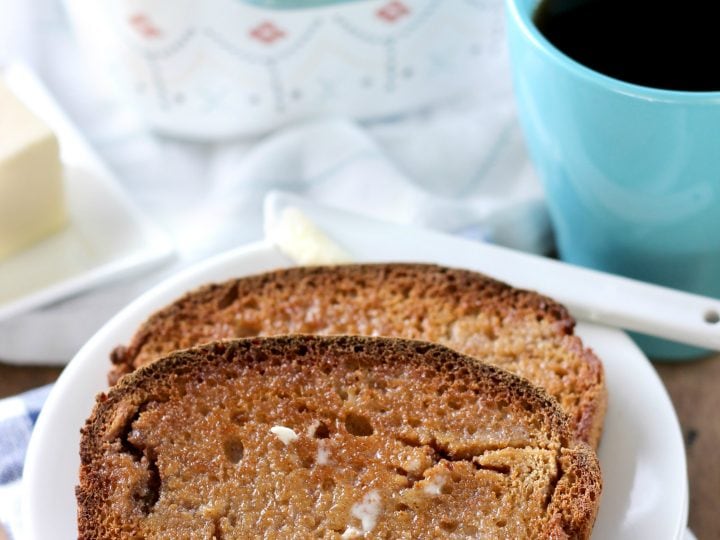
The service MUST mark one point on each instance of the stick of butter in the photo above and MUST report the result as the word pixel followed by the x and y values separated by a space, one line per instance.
pixel 32 204
pixel 301 240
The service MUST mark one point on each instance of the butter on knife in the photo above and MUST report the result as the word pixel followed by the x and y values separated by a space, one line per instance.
pixel 301 240
pixel 32 204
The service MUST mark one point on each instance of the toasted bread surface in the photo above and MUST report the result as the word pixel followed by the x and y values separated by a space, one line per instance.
pixel 521 331
pixel 331 437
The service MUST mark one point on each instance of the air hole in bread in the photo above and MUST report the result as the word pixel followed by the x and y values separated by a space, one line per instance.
pixel 358 425
pixel 320 430
pixel 560 371
pixel 327 483
pixel 500 469
pixel 410 439
pixel 217 532
pixel 302 407
pixel 251 304
pixel 128 439
pixel 448 525
pixel 234 449
pixel 259 356
pixel 219 348
pixel 275 362
pixel 229 298
pixel 455 404
pixel 147 494
pixel 554 481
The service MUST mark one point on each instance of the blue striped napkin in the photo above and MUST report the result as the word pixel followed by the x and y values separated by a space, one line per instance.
pixel 17 419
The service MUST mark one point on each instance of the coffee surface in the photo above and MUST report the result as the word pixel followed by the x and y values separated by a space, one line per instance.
pixel 660 44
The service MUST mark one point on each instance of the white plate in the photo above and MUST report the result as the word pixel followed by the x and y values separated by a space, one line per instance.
pixel 642 454
pixel 107 237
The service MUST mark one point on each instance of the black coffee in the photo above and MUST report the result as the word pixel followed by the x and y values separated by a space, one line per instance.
pixel 662 44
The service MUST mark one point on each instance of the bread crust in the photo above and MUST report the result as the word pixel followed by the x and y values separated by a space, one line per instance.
pixel 571 507
pixel 518 330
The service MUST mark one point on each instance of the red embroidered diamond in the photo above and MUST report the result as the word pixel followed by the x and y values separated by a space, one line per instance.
pixel 393 11
pixel 267 32
pixel 144 26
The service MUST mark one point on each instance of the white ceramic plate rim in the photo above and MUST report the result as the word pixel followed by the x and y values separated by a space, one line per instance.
pixel 642 452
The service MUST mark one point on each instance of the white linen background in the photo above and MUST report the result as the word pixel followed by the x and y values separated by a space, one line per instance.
pixel 460 167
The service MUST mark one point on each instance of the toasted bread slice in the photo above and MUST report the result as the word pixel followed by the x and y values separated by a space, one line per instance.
pixel 331 437
pixel 521 331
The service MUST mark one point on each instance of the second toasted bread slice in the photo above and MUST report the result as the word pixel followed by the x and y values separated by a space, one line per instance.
pixel 521 331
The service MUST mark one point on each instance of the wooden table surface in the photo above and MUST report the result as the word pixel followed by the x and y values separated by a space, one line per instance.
pixel 694 388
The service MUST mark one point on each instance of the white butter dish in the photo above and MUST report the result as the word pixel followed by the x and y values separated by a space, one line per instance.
pixel 107 236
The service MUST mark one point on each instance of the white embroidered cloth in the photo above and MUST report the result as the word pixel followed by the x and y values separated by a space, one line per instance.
pixel 460 167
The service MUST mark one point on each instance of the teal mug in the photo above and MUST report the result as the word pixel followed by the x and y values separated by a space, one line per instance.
pixel 631 173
